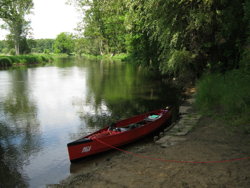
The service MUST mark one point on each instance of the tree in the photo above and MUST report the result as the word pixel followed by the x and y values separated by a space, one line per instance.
pixel 104 25
pixel 13 13
pixel 64 43
pixel 41 45
pixel 81 46
pixel 189 36
pixel 177 37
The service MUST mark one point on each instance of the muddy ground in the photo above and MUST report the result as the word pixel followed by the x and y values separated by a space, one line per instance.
pixel 210 140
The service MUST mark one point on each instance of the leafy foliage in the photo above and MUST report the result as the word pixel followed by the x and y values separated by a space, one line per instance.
pixel 64 43
pixel 13 13
pixel 227 94
pixel 41 45
pixel 30 45
pixel 174 36
pixel 104 28
pixel 7 61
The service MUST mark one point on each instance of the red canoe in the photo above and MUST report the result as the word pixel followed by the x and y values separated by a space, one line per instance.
pixel 118 134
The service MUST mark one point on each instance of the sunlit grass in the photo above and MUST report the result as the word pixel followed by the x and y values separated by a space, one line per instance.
pixel 7 61
pixel 121 56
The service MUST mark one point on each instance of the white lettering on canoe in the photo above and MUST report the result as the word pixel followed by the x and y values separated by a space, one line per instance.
pixel 86 149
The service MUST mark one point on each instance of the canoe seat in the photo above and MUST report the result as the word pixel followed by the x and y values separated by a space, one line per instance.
pixel 122 129
pixel 127 128
pixel 152 117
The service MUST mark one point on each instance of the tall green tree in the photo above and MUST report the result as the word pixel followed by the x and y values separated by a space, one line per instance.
pixel 64 43
pixel 13 13
pixel 104 25
pixel 41 45
pixel 177 37
pixel 191 36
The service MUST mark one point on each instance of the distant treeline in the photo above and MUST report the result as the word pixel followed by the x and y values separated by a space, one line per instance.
pixel 64 43
pixel 29 46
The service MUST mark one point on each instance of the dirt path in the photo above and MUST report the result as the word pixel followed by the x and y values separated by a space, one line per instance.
pixel 209 141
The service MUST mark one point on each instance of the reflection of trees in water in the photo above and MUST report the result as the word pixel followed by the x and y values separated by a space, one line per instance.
pixel 10 160
pixel 19 131
pixel 125 90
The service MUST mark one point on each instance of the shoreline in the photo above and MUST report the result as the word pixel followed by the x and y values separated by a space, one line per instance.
pixel 204 139
pixel 14 61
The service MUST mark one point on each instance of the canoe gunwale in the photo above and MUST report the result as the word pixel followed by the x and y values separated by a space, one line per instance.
pixel 80 141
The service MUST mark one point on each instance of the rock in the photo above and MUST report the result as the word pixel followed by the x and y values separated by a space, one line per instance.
pixel 156 138
pixel 190 101
pixel 167 141
pixel 165 130
pixel 184 109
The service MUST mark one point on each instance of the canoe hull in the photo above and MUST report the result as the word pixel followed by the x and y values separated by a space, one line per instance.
pixel 89 145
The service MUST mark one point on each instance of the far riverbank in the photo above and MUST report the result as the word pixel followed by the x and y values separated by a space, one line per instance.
pixel 23 60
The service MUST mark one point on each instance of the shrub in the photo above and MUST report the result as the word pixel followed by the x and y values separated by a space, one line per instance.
pixel 5 62
pixel 24 59
pixel 45 58
pixel 179 64
pixel 121 56
pixel 226 94
pixel 12 52
pixel 14 59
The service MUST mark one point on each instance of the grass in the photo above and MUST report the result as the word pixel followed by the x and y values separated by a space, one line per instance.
pixel 226 96
pixel 120 57
pixel 8 61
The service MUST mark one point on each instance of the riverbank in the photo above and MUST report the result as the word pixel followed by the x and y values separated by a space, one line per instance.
pixel 209 140
pixel 23 60
pixel 226 97
pixel 120 57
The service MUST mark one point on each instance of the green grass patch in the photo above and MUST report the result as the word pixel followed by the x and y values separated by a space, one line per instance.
pixel 7 61
pixel 226 96
pixel 121 57
pixel 89 56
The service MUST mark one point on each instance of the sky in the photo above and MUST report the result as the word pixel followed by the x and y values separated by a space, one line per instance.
pixel 50 18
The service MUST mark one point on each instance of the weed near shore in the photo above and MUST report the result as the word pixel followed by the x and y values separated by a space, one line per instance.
pixel 226 96
pixel 8 61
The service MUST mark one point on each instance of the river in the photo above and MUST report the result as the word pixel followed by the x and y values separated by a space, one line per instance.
pixel 44 108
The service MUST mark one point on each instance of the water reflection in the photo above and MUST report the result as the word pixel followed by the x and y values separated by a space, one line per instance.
pixel 10 174
pixel 19 129
pixel 44 108
pixel 119 90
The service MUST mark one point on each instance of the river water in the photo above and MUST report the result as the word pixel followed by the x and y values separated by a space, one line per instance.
pixel 44 108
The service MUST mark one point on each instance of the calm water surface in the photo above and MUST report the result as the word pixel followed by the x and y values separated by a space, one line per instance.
pixel 44 108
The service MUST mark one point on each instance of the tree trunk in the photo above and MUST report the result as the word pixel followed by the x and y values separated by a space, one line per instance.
pixel 17 47
pixel 100 47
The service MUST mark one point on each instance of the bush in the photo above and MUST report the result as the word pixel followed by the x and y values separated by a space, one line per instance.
pixel 14 59
pixel 121 56
pixel 179 64
pixel 25 59
pixel 225 94
pixel 245 59
pixel 5 62
pixel 45 58
pixel 12 52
